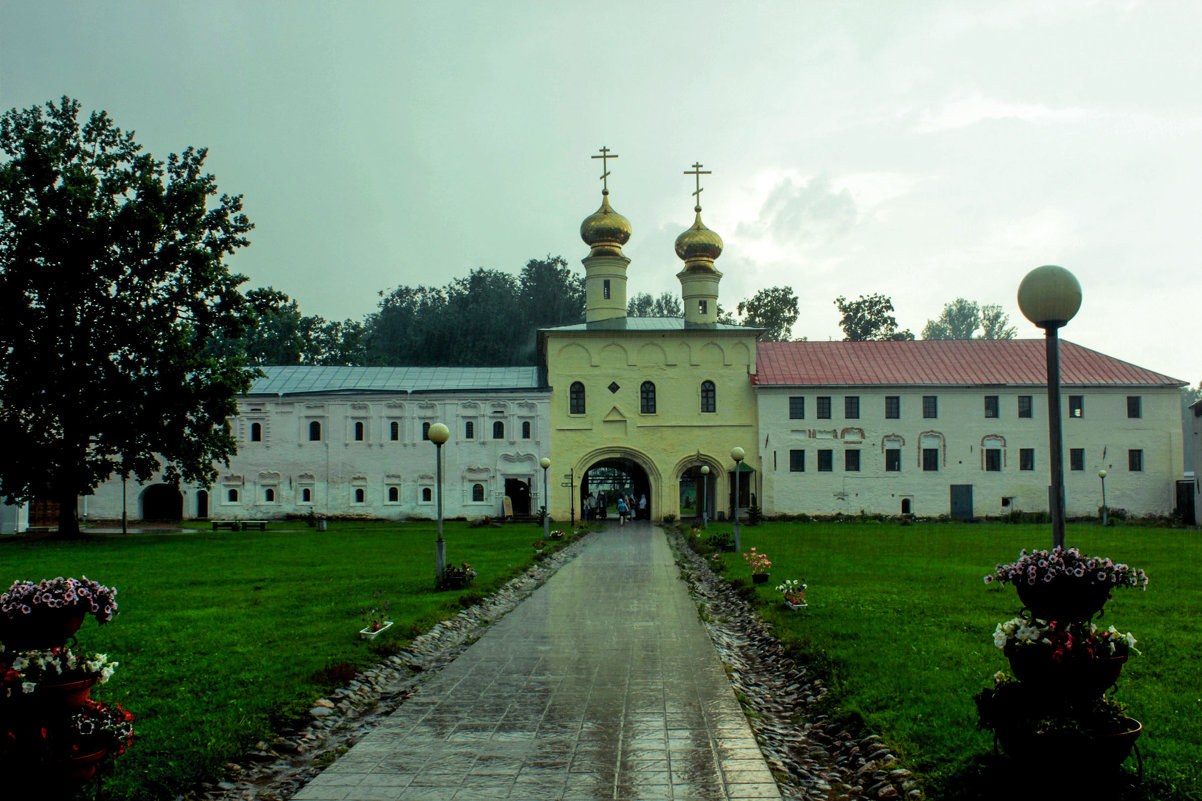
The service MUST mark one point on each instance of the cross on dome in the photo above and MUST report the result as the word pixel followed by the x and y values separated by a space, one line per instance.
pixel 605 156
pixel 698 172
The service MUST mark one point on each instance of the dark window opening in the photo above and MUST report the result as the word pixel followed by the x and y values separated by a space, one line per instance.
pixel 427 494
pixel 993 460
pixel 1026 459
pixel 306 495
pixel 893 460
pixel 605 289
pixel 1076 405
pixel 469 430
pixel 826 460
pixel 232 495
pixel 823 410
pixel 360 430
pixel 315 431
pixel 394 495
pixel 647 398
pixel 709 397
pixel 851 407
pixel 991 406
pixel 576 398
pixel 930 406
pixel 797 461
pixel 360 496
pixel 1076 459
pixel 269 495
pixel 702 306
pixel 1024 406
pixel 797 408
pixel 892 407
pixel 930 459
pixel 498 430
pixel 256 432
pixel 477 493
pixel 851 461
pixel 394 431
pixel 525 429
pixel 1135 461
pixel 1134 406
pixel 425 431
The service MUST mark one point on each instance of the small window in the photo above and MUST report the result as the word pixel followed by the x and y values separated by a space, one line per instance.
pixel 306 495
pixel 427 494
pixel 394 494
pixel 1134 406
pixel 930 459
pixel 826 460
pixel 851 407
pixel 360 495
pixel 605 289
pixel 991 406
pixel 394 431
pixel 1024 406
pixel 498 429
pixel 576 398
pixel 647 398
pixel 892 407
pixel 269 495
pixel 232 496
pixel 1076 405
pixel 930 406
pixel 797 408
pixel 315 431
pixel 703 306
pixel 906 506
pixel 256 430
pixel 893 460
pixel 1135 461
pixel 1026 459
pixel 425 431
pixel 469 430
pixel 525 429
pixel 823 410
pixel 851 461
pixel 709 397
pixel 477 493
pixel 797 461
pixel 993 460
pixel 360 432
pixel 1076 459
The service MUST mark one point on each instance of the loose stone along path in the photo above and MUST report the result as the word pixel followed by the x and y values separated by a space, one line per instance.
pixel 602 684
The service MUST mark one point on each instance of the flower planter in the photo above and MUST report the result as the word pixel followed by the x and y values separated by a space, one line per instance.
pixel 1083 678
pixel 65 696
pixel 1085 750
pixel 759 578
pixel 801 605
pixel 369 633
pixel 1063 599
pixel 42 629
pixel 83 767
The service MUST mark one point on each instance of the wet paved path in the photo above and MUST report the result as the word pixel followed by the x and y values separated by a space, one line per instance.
pixel 601 685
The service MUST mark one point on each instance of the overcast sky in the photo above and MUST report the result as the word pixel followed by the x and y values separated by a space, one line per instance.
pixel 924 150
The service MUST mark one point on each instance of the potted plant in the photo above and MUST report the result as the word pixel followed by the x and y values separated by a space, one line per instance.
pixel 375 619
pixel 1063 584
pixel 456 578
pixel 54 679
pixel 793 593
pixel 1074 658
pixel 760 566
pixel 96 731
pixel 557 534
pixel 44 614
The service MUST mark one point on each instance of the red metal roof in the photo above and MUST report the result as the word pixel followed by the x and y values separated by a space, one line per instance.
pixel 1008 362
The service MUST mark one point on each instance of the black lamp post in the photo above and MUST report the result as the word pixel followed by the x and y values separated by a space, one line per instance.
pixel 545 464
pixel 1050 296
pixel 439 434
pixel 705 477
pixel 738 455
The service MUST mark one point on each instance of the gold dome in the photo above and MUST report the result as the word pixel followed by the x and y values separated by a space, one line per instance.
pixel 605 231
pixel 698 243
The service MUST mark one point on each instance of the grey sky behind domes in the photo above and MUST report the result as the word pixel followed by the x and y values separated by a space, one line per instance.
pixel 922 150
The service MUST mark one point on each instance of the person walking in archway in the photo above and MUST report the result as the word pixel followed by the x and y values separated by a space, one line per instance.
pixel 623 510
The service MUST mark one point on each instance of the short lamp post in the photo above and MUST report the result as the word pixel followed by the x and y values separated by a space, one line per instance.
pixel 545 464
pixel 705 478
pixel 1102 476
pixel 1050 296
pixel 738 455
pixel 439 434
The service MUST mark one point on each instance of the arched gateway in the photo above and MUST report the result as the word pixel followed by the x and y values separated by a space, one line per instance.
pixel 613 472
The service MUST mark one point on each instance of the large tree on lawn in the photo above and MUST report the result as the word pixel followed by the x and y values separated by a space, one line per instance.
pixel 111 284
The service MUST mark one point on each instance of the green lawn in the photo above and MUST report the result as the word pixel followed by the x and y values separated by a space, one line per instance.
pixel 901 623
pixel 220 635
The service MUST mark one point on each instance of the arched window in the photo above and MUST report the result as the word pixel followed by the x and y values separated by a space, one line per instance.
pixel 394 494
pixel 425 430
pixel 469 430
pixel 647 398
pixel 360 496
pixel 315 431
pixel 709 397
pixel 576 398
pixel 427 494
pixel 498 430
pixel 359 431
pixel 256 432
pixel 232 495
pixel 306 495
pixel 525 429
pixel 269 495
pixel 477 493
pixel 394 431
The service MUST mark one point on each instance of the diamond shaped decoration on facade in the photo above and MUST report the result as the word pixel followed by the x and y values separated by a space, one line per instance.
pixel 613 386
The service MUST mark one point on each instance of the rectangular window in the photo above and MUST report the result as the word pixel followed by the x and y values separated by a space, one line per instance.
pixel 991 406
pixel 1135 461
pixel 797 408
pixel 1024 406
pixel 605 289
pixel 892 407
pixel 1076 405
pixel 1026 459
pixel 993 460
pixel 797 461
pixel 930 459
pixel 824 407
pixel 702 307
pixel 892 460
pixel 1134 406
pixel 851 407
pixel 1076 459
pixel 826 461
pixel 930 406
pixel 851 461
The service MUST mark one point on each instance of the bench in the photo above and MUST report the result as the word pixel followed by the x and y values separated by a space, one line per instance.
pixel 261 525
pixel 232 525
pixel 240 525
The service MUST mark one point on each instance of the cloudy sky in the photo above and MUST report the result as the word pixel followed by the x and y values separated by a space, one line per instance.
pixel 924 150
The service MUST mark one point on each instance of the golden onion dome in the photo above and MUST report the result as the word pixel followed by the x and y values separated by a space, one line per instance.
pixel 698 243
pixel 605 231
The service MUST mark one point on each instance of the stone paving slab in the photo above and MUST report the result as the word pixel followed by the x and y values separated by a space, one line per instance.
pixel 603 684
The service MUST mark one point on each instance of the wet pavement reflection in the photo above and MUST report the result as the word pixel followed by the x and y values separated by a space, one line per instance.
pixel 601 685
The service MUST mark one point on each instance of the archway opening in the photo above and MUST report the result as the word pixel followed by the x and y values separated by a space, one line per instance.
pixel 162 502
pixel 697 491
pixel 617 477
pixel 518 492
pixel 202 504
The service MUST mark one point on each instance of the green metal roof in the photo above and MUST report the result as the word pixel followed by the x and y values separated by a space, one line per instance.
pixel 650 324
pixel 304 380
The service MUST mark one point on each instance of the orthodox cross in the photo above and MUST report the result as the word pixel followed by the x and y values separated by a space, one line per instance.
pixel 698 172
pixel 605 156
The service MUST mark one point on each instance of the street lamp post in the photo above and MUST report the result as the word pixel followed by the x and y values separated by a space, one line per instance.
pixel 705 478
pixel 1102 475
pixel 738 455
pixel 439 434
pixel 1049 296
pixel 545 464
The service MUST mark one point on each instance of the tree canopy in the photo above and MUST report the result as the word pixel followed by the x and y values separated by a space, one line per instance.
pixel 644 305
pixel 869 317
pixel 112 284
pixel 279 334
pixel 773 309
pixel 961 319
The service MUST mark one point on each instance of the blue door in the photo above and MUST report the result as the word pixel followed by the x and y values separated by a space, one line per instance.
pixel 961 501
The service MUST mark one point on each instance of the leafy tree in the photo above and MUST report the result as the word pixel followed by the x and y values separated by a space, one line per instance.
pixel 961 318
pixel 644 305
pixel 869 317
pixel 773 309
pixel 111 285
